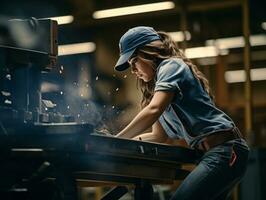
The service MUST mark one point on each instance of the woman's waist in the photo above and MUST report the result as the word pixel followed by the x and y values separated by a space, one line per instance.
pixel 217 138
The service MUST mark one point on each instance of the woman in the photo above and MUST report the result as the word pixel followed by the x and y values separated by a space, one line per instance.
pixel 177 103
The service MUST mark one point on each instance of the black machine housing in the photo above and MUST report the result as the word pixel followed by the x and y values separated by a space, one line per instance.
pixel 27 48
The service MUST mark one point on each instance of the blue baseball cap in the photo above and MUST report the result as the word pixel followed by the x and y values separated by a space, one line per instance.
pixel 133 39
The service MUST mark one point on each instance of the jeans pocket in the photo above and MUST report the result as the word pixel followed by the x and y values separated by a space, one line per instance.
pixel 221 153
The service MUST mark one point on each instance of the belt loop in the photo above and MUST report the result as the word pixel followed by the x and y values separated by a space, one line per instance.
pixel 201 146
pixel 213 140
pixel 205 145
pixel 237 131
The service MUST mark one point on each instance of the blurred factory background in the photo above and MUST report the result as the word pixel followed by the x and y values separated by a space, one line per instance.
pixel 212 33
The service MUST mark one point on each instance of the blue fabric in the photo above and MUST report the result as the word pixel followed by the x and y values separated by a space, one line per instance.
pixel 192 114
pixel 216 174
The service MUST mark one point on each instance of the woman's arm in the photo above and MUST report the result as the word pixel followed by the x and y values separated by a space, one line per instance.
pixel 146 117
pixel 157 135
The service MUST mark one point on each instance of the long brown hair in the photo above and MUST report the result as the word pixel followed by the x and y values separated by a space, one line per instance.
pixel 157 51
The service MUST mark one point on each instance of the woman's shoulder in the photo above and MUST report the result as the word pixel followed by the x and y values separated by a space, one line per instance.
pixel 173 60
pixel 172 64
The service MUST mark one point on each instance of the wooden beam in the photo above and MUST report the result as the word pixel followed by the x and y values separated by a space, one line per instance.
pixel 248 88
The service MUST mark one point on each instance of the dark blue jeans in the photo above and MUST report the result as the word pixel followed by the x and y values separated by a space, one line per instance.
pixel 219 170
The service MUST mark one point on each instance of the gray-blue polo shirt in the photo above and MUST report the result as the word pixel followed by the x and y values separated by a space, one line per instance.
pixel 192 114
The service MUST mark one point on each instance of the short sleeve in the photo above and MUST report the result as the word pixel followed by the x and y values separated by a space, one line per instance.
pixel 170 75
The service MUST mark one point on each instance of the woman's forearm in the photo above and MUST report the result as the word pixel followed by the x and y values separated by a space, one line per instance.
pixel 148 115
pixel 150 137
pixel 140 123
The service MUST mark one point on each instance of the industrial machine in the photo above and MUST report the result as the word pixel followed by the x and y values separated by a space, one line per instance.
pixel 27 48
pixel 41 158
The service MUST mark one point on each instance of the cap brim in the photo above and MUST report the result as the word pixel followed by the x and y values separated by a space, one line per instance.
pixel 122 63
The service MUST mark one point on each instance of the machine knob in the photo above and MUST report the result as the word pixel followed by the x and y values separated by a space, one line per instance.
pixel 141 149
pixel 155 151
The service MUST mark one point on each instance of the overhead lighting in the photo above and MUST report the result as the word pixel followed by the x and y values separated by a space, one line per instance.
pixel 258 40
pixel 62 19
pixel 129 10
pixel 77 48
pixel 263 25
pixel 200 52
pixel 179 36
pixel 237 42
pixel 207 61
pixel 238 76
pixel 226 43
pixel 203 52
pixel 24 149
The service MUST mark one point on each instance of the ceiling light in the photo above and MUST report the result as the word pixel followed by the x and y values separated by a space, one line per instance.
pixel 77 48
pixel 179 36
pixel 237 42
pixel 129 10
pixel 263 25
pixel 62 19
pixel 238 76
pixel 258 40
pixel 207 61
pixel 201 52
pixel 226 43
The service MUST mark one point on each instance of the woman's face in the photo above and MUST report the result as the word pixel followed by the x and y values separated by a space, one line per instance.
pixel 142 68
